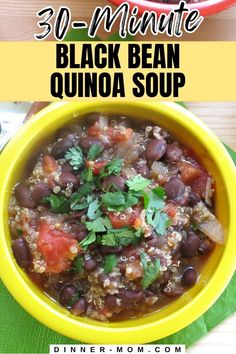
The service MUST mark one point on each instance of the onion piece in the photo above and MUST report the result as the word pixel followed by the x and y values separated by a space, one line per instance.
pixel 207 223
pixel 103 122
pixel 213 229
pixel 158 168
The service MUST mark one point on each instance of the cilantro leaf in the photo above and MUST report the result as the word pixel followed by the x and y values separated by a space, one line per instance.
pixel 118 201
pixel 120 237
pixel 59 203
pixel 138 183
pixel 78 264
pixel 82 191
pixel 114 167
pixel 110 262
pixel 93 210
pixel 87 175
pixel 113 199
pixel 94 151
pixel 151 270
pixel 75 157
pixel 159 220
pixel 99 225
pixel 152 200
pixel 88 240
pixel 160 191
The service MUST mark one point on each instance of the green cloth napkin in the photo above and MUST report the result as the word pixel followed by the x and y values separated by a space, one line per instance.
pixel 21 333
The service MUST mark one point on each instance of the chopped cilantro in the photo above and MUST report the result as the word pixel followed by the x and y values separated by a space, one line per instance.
pixel 114 167
pixel 137 183
pixel 151 270
pixel 59 203
pixel 88 240
pixel 73 299
pixel 118 201
pixel 19 232
pixel 93 210
pixel 75 157
pixel 152 200
pixel 94 151
pixel 99 225
pixel 110 262
pixel 82 191
pixel 159 220
pixel 120 237
pixel 78 264
pixel 115 199
pixel 160 191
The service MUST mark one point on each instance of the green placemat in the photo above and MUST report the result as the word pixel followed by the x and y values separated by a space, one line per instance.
pixel 21 333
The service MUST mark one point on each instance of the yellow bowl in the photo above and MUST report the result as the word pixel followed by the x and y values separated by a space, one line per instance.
pixel 215 274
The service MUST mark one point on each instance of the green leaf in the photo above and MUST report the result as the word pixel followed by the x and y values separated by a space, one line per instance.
pixel 151 270
pixel 94 151
pixel 75 157
pixel 113 199
pixel 138 183
pixel 159 220
pixel 160 191
pixel 80 35
pixel 93 210
pixel 110 262
pixel 78 264
pixel 120 237
pixel 59 203
pixel 182 104
pixel 114 167
pixel 82 191
pixel 231 152
pixel 99 225
pixel 152 200
pixel 88 240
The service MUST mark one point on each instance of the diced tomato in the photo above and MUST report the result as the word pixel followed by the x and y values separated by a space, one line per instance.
pixel 188 172
pixel 118 135
pixel 199 185
pixel 96 166
pixel 171 210
pixel 119 220
pixel 134 270
pixel 94 130
pixel 49 163
pixel 57 247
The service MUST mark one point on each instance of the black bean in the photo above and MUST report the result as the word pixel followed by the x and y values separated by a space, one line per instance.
pixel 66 133
pixel 39 191
pixel 172 290
pixel 79 231
pixel 190 246
pixel 24 196
pixel 32 161
pixel 156 241
pixel 206 246
pixel 110 302
pixel 87 142
pixel 110 250
pixel 67 294
pixel 193 199
pixel 68 178
pixel 155 149
pixel 90 265
pixel 79 307
pixel 130 296
pixel 21 253
pixel 61 147
pixel 189 277
pixel 117 181
pixel 174 188
pixel 66 167
pixel 173 152
pixel 92 118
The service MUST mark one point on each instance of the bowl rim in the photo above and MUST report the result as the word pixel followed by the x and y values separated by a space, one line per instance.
pixel 206 7
pixel 92 331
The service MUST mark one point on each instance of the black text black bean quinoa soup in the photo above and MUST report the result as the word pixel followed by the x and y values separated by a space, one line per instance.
pixel 115 219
